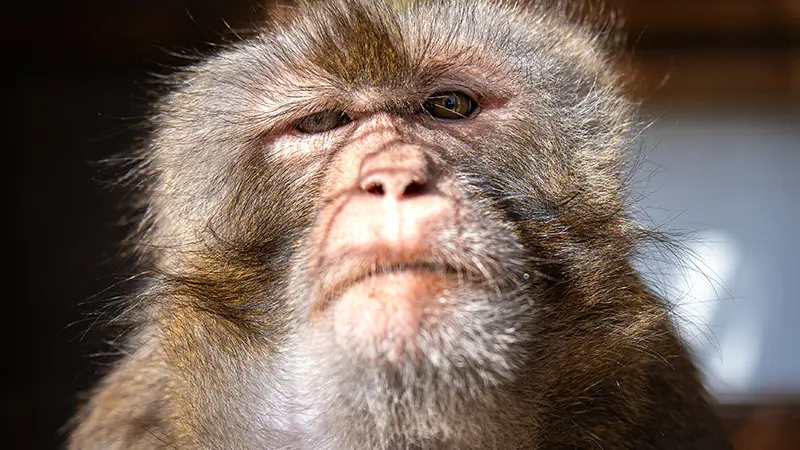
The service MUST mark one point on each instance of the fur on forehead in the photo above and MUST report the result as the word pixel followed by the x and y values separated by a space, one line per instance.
pixel 405 46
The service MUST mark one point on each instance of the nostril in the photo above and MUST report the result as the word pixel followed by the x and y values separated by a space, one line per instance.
pixel 396 184
pixel 415 187
pixel 374 188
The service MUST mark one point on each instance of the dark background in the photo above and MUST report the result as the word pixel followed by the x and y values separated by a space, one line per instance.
pixel 76 80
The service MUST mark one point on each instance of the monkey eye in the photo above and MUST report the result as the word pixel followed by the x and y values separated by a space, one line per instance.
pixel 453 105
pixel 322 121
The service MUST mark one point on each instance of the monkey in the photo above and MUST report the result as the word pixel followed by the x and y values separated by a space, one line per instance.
pixel 397 225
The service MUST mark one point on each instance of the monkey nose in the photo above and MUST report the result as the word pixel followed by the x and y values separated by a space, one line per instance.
pixel 394 183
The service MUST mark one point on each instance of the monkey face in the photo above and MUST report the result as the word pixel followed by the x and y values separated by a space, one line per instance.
pixel 408 278
pixel 399 201
pixel 398 271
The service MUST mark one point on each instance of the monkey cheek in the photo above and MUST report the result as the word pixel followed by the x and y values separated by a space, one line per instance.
pixel 384 316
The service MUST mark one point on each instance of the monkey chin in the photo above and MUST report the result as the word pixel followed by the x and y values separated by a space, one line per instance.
pixel 383 316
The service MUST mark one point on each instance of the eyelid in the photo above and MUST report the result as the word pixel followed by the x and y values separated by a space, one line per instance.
pixel 327 120
pixel 456 87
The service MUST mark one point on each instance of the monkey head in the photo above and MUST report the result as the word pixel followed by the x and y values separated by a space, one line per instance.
pixel 402 225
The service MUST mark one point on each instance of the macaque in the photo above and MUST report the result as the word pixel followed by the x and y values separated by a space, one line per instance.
pixel 397 225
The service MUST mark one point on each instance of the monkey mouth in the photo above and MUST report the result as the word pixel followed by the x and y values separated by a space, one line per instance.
pixel 380 312
pixel 413 267
pixel 344 278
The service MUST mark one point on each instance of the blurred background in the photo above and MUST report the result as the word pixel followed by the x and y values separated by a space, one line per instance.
pixel 721 84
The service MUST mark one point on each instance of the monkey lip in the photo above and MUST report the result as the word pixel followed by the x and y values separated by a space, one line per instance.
pixel 346 279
